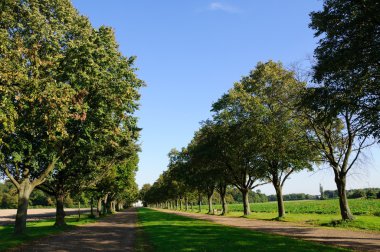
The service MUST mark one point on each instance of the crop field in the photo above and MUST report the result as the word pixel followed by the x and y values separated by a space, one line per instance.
pixel 357 206
pixel 314 212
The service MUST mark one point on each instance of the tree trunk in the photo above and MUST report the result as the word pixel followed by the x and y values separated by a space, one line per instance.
pixel 99 207
pixel 105 201
pixel 60 211
pixel 78 210
pixel 209 200
pixel 343 203
pixel 180 204
pixel 280 200
pixel 24 192
pixel 186 204
pixel 92 207
pixel 200 203
pixel 108 206
pixel 224 202
pixel 247 209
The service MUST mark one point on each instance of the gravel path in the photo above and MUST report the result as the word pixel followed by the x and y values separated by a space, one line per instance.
pixel 7 216
pixel 356 240
pixel 113 233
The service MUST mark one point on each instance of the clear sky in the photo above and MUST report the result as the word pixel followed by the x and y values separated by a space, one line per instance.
pixel 190 52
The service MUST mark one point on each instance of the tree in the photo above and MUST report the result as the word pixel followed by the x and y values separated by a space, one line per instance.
pixel 263 106
pixel 338 134
pixel 107 134
pixel 38 101
pixel 322 193
pixel 348 55
pixel 238 142
pixel 142 193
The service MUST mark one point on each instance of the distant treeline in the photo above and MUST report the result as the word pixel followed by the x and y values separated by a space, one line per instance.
pixel 38 199
pixel 233 195
pixel 8 197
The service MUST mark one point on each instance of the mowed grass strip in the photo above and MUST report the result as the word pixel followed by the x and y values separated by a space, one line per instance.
pixel 170 232
pixel 38 229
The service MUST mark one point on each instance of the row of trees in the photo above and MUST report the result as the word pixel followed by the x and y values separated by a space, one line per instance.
pixel 66 111
pixel 271 124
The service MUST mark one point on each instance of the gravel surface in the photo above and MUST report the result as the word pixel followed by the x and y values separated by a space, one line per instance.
pixel 356 240
pixel 7 216
pixel 113 233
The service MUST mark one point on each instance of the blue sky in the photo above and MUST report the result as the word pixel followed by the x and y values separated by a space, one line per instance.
pixel 190 52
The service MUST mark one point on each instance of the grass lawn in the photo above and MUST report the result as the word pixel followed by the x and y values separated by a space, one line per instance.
pixel 38 229
pixel 169 232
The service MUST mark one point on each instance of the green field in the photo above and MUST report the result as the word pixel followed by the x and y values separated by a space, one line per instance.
pixel 314 212
pixel 169 232
pixel 38 229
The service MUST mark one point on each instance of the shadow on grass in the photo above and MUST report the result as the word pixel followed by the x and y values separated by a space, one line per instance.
pixel 169 232
pixel 37 229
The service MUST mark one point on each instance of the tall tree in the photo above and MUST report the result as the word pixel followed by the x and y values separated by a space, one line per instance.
pixel 348 55
pixel 344 109
pixel 108 131
pixel 338 134
pixel 33 46
pixel 207 171
pixel 284 145
pixel 239 143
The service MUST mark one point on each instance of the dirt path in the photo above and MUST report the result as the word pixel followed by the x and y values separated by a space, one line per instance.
pixel 114 233
pixel 7 216
pixel 357 240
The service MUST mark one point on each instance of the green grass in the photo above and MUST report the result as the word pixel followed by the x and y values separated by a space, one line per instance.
pixel 169 232
pixel 314 212
pixel 38 229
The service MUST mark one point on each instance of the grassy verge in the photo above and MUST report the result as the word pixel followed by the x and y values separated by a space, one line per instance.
pixel 38 229
pixel 169 232
pixel 142 243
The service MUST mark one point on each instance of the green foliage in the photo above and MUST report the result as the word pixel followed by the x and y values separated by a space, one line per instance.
pixel 348 55
pixel 169 232
pixel 68 98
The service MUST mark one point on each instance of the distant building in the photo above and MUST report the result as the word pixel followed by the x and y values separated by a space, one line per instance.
pixel 137 204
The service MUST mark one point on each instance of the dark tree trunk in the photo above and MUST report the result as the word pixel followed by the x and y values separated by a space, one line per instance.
pixel 78 210
pixel 99 207
pixel 246 207
pixel 180 204
pixel 108 206
pixel 343 203
pixel 92 207
pixel 60 211
pixel 280 200
pixel 186 204
pixel 104 207
pixel 223 200
pixel 117 206
pixel 24 192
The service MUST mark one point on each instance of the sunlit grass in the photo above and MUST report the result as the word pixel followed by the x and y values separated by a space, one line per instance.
pixel 169 232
